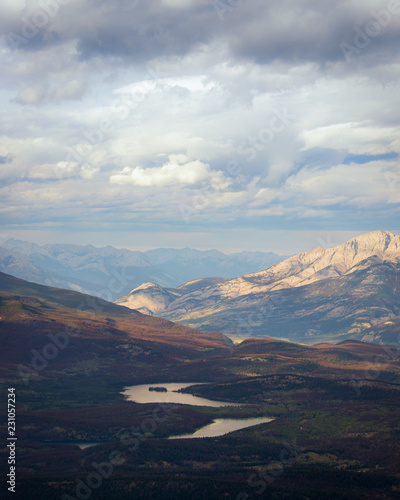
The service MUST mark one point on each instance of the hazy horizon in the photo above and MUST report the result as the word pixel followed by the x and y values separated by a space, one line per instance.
pixel 305 242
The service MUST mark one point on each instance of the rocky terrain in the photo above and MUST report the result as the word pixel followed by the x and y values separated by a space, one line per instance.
pixel 328 294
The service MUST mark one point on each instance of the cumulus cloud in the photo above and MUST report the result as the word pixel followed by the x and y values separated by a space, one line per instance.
pixel 88 171
pixel 72 90
pixel 63 170
pixel 60 170
pixel 359 138
pixel 191 83
pixel 32 95
pixel 179 170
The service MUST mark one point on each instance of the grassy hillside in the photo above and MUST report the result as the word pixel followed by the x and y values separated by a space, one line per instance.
pixel 58 337
pixel 335 432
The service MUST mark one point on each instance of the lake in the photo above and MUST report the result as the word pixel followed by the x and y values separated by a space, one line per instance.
pixel 82 445
pixel 219 427
pixel 141 394
pixel 222 426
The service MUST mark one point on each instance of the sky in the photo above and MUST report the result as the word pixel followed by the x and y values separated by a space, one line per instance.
pixel 230 124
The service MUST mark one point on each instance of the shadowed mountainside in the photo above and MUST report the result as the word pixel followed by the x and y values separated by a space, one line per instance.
pixel 324 294
pixel 96 335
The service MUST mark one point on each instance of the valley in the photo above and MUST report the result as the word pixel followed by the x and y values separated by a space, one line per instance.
pixel 200 250
pixel 334 407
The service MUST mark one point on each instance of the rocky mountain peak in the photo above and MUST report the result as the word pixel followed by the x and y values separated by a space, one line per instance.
pixel 381 243
pixel 148 298
pixel 147 286
pixel 314 265
pixel 197 303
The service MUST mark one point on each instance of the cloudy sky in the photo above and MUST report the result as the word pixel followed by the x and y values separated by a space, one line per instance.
pixel 253 124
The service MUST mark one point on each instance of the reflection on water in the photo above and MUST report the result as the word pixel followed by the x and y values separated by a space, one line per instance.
pixel 141 394
pixel 223 426
pixel 219 427
pixel 82 445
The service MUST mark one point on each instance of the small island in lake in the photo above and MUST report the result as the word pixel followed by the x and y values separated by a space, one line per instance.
pixel 158 389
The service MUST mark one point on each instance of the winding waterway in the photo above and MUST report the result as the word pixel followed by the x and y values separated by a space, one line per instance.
pixel 219 427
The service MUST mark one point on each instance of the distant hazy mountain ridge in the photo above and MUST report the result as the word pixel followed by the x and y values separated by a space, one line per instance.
pixel 110 272
pixel 324 293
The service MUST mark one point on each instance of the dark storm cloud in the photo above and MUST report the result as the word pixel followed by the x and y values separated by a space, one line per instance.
pixel 296 31
pixel 259 31
pixel 146 32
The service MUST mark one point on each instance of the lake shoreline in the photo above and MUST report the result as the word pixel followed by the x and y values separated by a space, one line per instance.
pixel 145 393
pixel 175 393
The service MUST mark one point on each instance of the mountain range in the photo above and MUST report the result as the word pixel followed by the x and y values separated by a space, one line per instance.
pixel 109 272
pixel 350 291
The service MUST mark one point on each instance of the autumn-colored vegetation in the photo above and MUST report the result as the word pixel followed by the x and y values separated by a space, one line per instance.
pixel 335 433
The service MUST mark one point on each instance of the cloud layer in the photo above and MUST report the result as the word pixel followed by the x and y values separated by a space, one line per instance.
pixel 194 114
